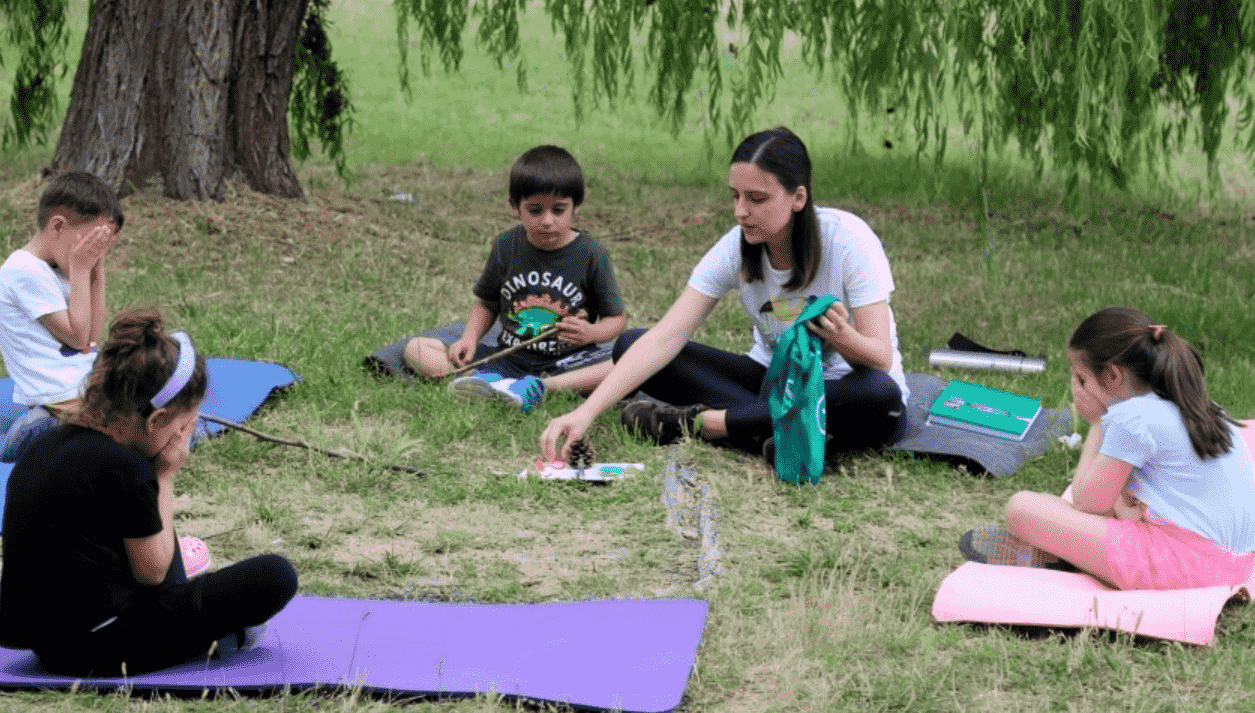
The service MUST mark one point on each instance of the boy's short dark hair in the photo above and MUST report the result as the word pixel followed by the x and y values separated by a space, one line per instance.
pixel 81 193
pixel 546 171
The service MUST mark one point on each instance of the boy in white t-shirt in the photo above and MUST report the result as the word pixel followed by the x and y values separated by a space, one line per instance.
pixel 52 303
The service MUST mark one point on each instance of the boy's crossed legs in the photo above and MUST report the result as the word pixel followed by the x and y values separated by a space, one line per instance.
pixel 429 357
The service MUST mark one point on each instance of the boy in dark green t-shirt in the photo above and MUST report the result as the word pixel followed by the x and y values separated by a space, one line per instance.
pixel 540 274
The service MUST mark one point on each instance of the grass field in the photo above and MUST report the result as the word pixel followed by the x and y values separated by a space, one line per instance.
pixel 824 600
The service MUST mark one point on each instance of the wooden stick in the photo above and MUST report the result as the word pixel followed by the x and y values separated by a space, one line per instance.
pixel 302 444
pixel 508 350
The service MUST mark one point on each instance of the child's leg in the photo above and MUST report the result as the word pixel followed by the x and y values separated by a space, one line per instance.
pixel 581 381
pixel 177 623
pixel 428 357
pixel 1050 523
pixel 23 432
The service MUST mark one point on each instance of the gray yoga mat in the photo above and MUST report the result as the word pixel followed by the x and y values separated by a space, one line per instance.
pixel 981 454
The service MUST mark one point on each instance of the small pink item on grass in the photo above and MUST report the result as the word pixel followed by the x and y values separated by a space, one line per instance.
pixel 195 556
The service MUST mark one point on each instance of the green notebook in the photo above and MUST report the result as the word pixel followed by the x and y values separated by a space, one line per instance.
pixel 984 410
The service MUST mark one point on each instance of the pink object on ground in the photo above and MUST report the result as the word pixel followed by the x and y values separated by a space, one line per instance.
pixel 1042 597
pixel 195 556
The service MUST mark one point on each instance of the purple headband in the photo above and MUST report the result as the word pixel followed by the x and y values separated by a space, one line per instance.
pixel 182 372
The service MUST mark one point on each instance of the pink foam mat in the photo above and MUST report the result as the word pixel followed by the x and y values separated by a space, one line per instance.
pixel 1040 597
pixel 617 654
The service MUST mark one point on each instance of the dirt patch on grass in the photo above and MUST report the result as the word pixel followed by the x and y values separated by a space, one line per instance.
pixel 485 552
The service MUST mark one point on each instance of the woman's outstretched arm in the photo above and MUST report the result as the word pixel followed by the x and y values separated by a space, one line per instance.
pixel 646 357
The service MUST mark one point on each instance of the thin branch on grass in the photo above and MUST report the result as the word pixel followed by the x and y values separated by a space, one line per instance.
pixel 509 350
pixel 342 453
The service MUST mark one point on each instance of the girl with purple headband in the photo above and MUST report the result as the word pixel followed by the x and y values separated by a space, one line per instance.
pixel 93 579
pixel 1164 493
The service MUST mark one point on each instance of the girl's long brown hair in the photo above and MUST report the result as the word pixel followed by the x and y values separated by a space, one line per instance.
pixel 1166 363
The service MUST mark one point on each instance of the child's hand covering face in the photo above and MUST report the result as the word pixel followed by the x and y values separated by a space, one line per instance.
pixel 91 248
pixel 1090 397
pixel 174 442
pixel 1086 403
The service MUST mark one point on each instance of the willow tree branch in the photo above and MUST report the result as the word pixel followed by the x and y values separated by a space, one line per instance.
pixel 508 350
pixel 302 444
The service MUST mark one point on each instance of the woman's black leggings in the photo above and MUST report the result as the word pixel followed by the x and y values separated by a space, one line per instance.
pixel 172 624
pixel 864 407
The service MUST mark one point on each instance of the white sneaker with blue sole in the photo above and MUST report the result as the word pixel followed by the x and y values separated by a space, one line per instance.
pixel 525 393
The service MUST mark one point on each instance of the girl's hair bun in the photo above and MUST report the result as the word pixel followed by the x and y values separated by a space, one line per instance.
pixel 133 366
pixel 136 329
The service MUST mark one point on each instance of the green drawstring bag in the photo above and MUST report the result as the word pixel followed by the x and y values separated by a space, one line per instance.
pixel 794 386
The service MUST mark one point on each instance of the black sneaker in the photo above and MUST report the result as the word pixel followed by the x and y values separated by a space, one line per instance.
pixel 662 423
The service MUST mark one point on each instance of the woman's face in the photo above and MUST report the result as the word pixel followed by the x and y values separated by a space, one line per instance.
pixel 762 206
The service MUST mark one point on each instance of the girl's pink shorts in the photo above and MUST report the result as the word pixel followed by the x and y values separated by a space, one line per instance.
pixel 1146 556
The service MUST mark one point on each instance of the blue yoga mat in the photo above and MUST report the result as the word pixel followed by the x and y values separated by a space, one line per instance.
pixel 237 388
pixel 631 655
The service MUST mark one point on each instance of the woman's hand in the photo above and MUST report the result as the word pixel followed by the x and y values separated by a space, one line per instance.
pixel 831 326
pixel 555 441
pixel 867 342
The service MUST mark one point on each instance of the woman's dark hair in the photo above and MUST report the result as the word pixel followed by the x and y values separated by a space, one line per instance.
pixel 134 364
pixel 781 153
pixel 83 195
pixel 1163 361
pixel 546 171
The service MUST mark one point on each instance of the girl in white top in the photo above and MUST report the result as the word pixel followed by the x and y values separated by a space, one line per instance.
pixel 781 252
pixel 1164 493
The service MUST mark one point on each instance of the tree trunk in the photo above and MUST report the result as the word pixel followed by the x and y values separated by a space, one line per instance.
pixel 187 91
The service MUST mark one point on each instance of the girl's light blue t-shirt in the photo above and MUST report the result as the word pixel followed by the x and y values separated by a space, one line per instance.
pixel 1214 497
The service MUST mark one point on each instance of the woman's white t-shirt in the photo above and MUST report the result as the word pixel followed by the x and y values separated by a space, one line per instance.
pixel 852 266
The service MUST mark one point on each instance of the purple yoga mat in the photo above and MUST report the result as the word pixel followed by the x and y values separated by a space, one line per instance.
pixel 631 655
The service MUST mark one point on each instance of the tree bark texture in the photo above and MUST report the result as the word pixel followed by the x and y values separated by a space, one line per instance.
pixel 190 91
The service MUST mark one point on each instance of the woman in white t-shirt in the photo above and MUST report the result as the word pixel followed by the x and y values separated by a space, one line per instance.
pixel 782 251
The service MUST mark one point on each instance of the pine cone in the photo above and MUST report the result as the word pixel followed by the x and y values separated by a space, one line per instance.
pixel 581 456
